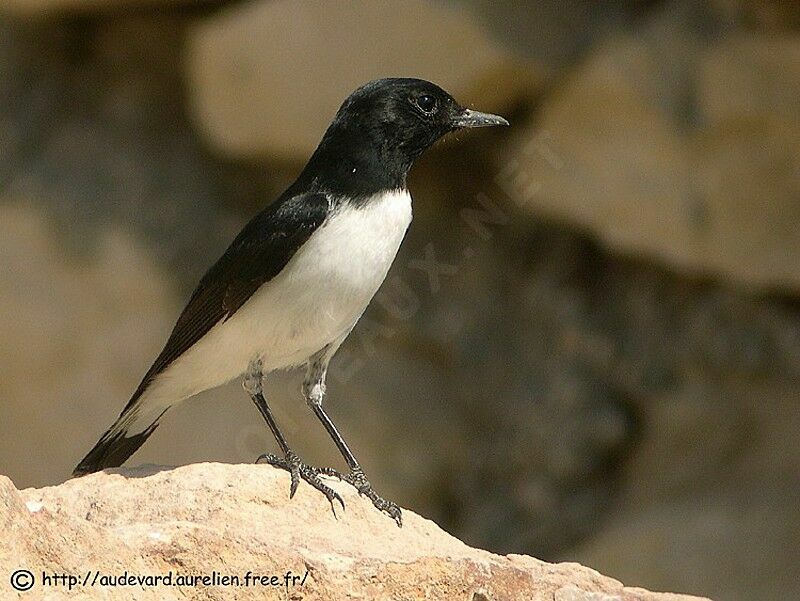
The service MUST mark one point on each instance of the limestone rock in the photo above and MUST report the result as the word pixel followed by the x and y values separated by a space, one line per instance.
pixel 751 505
pixel 233 518
pixel 712 191
pixel 267 77
pixel 747 179
pixel 605 155
pixel 750 76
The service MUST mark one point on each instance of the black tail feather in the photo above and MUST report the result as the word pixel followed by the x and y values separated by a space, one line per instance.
pixel 112 450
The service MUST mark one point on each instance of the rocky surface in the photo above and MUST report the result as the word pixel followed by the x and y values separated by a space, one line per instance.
pixel 678 142
pixel 233 518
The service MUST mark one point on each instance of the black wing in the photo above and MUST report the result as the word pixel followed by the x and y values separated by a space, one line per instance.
pixel 258 254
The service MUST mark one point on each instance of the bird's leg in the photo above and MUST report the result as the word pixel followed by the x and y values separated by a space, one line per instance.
pixel 314 393
pixel 290 461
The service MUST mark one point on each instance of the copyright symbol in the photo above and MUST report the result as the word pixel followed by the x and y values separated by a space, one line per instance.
pixel 22 580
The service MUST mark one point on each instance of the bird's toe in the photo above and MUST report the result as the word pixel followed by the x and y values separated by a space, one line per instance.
pixel 298 470
pixel 358 480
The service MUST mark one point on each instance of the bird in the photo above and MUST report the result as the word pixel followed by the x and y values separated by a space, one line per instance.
pixel 297 278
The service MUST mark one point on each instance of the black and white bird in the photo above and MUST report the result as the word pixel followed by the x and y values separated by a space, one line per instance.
pixel 294 282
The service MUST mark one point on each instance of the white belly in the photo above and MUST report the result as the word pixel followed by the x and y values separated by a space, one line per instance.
pixel 314 301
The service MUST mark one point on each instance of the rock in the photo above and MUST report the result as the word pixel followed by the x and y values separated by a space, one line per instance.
pixel 750 75
pixel 729 494
pixel 546 396
pixel 671 145
pixel 564 29
pixel 266 77
pixel 231 519
pixel 603 154
pixel 747 185
pixel 106 139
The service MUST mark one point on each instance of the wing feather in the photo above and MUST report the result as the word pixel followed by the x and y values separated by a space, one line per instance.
pixel 258 254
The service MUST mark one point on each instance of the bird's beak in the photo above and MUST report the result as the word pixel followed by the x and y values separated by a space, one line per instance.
pixel 470 118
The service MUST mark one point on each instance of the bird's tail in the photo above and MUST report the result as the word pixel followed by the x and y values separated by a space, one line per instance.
pixel 122 439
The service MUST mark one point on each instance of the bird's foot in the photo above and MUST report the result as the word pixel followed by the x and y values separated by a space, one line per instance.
pixel 359 481
pixel 297 470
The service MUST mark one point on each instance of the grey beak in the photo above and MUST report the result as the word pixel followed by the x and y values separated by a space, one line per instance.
pixel 470 118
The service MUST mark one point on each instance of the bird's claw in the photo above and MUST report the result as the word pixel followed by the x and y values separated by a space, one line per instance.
pixel 311 474
pixel 297 470
pixel 358 480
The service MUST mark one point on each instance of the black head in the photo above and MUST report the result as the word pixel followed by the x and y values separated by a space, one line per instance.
pixel 381 129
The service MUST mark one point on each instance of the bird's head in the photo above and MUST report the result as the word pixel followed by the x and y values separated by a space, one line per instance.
pixel 409 114
pixel 385 125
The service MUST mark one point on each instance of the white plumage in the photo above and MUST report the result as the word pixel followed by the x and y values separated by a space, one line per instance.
pixel 314 301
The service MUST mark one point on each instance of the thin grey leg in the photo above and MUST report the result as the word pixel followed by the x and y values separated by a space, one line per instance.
pixel 290 461
pixel 253 385
pixel 314 393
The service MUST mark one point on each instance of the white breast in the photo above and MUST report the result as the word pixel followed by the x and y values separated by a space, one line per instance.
pixel 314 301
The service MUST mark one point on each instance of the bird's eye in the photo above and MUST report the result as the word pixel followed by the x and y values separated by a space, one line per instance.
pixel 426 103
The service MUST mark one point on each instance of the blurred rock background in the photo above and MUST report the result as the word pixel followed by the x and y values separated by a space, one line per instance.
pixel 589 346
